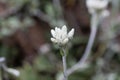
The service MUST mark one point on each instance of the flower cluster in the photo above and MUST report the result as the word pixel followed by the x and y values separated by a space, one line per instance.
pixel 60 35
pixel 97 6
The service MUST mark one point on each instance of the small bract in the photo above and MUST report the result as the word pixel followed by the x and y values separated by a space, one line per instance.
pixel 60 35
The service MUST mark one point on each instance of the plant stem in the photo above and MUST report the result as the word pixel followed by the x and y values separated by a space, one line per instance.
pixel 64 65
pixel 79 65
pixel 94 27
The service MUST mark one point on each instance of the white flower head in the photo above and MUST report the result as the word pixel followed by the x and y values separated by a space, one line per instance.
pixel 60 35
pixel 96 5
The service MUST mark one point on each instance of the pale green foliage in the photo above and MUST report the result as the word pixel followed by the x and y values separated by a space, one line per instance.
pixel 40 70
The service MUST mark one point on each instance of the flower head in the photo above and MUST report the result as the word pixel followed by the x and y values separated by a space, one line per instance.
pixel 60 35
pixel 96 5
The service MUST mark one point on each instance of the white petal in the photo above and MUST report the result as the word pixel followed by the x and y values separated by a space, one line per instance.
pixel 53 40
pixel 58 32
pixel 53 33
pixel 64 28
pixel 57 29
pixel 64 32
pixel 71 33
pixel 65 41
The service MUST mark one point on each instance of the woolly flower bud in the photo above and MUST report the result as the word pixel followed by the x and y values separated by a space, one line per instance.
pixel 60 35
pixel 96 5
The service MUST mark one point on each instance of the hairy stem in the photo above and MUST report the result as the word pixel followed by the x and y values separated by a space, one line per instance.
pixel 64 65
pixel 94 26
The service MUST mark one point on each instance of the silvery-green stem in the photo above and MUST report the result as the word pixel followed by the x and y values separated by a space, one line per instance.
pixel 64 64
pixel 94 26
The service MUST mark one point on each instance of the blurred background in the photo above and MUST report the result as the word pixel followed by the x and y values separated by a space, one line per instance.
pixel 25 39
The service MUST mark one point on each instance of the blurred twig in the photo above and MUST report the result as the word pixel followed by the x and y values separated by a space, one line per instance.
pixel 9 12
pixel 57 4
pixel 41 16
